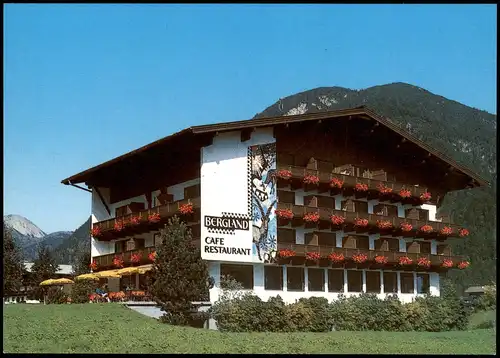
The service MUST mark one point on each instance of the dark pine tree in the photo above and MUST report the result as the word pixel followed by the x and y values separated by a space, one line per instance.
pixel 180 275
pixel 13 267
pixel 44 267
pixel 82 263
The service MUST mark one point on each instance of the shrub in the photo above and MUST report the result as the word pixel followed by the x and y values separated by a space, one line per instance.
pixel 299 317
pixel 322 319
pixel 56 296
pixel 488 301
pixel 81 290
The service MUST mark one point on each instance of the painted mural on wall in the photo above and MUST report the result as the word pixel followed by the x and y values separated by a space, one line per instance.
pixel 262 186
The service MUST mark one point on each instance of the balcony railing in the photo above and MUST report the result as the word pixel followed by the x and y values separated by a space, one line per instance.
pixel 107 227
pixel 325 215
pixel 392 256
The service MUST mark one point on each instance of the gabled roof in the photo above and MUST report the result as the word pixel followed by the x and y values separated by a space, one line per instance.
pixel 272 121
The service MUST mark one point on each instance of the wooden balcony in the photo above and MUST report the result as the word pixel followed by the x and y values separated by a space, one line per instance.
pixel 105 262
pixel 392 256
pixel 108 231
pixel 350 182
pixel 325 215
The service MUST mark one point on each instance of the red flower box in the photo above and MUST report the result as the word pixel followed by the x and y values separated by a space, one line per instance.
pixel 336 257
pixel 284 174
pixel 359 258
pixel 405 261
pixel 405 193
pixel 336 183
pixel 463 265
pixel 284 214
pixel 337 220
pixel 135 220
pixel 186 209
pixel 446 231
pixel 447 263
pixel 425 197
pixel 384 224
pixel 426 229
pixel 118 261
pixel 381 259
pixel 118 226
pixel 93 265
pixel 463 232
pixel 384 189
pixel 154 218
pixel 424 262
pixel 311 179
pixel 286 253
pixel 406 227
pixel 361 187
pixel 313 256
pixel 95 232
pixel 152 256
pixel 311 217
pixel 136 258
pixel 360 222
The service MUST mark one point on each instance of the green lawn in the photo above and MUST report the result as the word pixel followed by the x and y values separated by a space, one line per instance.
pixel 110 328
pixel 480 318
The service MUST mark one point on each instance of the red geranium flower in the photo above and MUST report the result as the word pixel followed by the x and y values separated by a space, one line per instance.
pixel 405 260
pixel 154 218
pixel 118 261
pixel 336 257
pixel 361 187
pixel 152 256
pixel 384 189
pixel 404 193
pixel 360 222
pixel 337 220
pixel 136 258
pixel 406 227
pixel 384 224
pixel 186 209
pixel 359 258
pixel 311 179
pixel 446 231
pixel 463 232
pixel 118 225
pixel 284 174
pixel 135 220
pixel 425 197
pixel 313 256
pixel 286 253
pixel 463 265
pixel 284 214
pixel 336 183
pixel 93 265
pixel 311 217
pixel 381 259
pixel 447 263
pixel 427 229
pixel 424 262
pixel 95 232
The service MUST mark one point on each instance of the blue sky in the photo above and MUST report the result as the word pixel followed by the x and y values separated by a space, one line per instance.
pixel 86 83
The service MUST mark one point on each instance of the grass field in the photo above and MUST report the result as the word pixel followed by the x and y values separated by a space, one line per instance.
pixel 109 328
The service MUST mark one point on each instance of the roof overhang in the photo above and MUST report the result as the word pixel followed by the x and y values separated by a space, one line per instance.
pixel 197 131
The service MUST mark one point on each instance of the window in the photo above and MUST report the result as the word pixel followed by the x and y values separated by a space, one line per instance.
pixel 407 282
pixel 295 278
pixel 139 244
pixel 241 273
pixel 273 278
pixel 354 281
pixel 423 283
pixel 316 279
pixel 335 280
pixel 425 247
pixel 373 281
pixel 120 246
pixel 390 282
pixel 157 239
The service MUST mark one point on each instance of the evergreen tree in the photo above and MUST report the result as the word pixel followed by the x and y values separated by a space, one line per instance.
pixel 82 263
pixel 180 275
pixel 44 267
pixel 13 267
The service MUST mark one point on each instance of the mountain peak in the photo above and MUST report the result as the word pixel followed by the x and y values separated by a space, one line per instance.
pixel 23 226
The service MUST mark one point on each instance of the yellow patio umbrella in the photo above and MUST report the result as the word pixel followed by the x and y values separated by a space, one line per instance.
pixel 88 276
pixel 48 282
pixel 108 274
pixel 145 268
pixel 128 271
pixel 63 281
